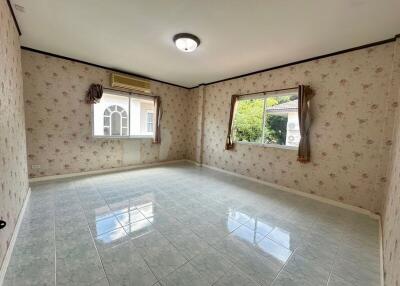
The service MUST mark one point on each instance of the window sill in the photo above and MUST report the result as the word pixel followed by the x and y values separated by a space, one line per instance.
pixel 124 137
pixel 267 145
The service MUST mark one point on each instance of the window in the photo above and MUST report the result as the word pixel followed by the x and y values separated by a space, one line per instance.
pixel 115 121
pixel 120 115
pixel 149 121
pixel 268 119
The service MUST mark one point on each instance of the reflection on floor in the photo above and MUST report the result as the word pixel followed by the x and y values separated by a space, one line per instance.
pixel 184 225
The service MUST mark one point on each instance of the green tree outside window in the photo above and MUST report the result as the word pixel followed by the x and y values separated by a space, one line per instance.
pixel 248 123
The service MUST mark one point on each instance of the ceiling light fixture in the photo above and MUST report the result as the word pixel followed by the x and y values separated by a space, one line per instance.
pixel 186 42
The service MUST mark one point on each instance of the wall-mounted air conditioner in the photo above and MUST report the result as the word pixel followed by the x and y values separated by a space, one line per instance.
pixel 131 83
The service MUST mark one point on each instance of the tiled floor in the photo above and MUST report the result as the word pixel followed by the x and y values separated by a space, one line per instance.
pixel 184 225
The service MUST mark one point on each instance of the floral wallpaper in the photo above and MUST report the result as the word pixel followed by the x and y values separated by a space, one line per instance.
pixel 58 121
pixel 195 124
pixel 13 172
pixel 351 133
pixel 391 207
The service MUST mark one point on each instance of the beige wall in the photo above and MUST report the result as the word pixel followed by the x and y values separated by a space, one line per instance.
pixel 58 120
pixel 391 206
pixel 13 173
pixel 350 137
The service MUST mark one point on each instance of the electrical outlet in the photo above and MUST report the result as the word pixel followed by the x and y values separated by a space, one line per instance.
pixel 34 167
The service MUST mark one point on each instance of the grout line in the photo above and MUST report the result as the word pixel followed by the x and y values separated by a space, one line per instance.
pixel 335 258
pixel 176 269
pixel 129 237
pixel 189 260
pixel 90 231
pixel 329 278
pixel 333 263
pixel 283 266
pixel 148 266
pixel 145 261
pixel 230 259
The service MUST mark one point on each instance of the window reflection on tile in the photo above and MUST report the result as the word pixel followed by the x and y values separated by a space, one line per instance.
pixel 112 236
pixel 231 224
pixel 238 216
pixel 102 216
pixel 142 200
pixel 282 236
pixel 130 217
pixel 106 225
pixel 247 235
pixel 121 207
pixel 147 209
pixel 271 248
pixel 123 210
pixel 259 226
pixel 99 213
pixel 139 228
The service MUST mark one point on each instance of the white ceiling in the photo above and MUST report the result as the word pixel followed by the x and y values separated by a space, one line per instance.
pixel 237 36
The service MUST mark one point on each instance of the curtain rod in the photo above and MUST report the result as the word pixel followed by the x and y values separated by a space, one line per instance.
pixel 129 92
pixel 267 91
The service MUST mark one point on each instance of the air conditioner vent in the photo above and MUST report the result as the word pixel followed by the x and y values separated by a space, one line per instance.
pixel 131 83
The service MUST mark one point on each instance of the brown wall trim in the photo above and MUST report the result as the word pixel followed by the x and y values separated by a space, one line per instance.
pixel 100 66
pixel 15 18
pixel 226 79
pixel 306 60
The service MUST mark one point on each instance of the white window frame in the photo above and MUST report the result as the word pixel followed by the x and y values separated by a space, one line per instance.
pixel 121 118
pixel 129 96
pixel 152 120
pixel 265 95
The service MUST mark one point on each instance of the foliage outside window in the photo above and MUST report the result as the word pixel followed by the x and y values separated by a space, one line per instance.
pixel 268 120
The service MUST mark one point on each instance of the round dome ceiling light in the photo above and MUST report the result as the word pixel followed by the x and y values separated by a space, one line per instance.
pixel 186 42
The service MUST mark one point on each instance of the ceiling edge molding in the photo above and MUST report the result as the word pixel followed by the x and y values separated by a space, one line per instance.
pixel 221 80
pixel 14 17
pixel 306 60
pixel 99 66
